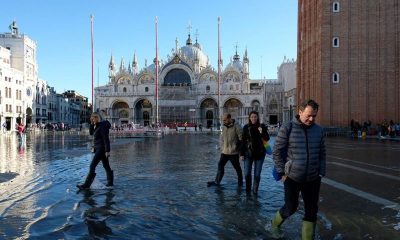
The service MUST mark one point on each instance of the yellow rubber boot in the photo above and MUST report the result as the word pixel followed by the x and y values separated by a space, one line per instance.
pixel 307 230
pixel 275 226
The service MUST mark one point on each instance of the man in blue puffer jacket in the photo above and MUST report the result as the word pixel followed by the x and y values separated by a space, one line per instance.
pixel 299 156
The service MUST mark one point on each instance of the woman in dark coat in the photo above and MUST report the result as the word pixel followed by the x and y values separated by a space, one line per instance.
pixel 253 150
pixel 101 149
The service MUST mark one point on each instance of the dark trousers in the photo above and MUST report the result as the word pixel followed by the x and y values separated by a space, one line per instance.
pixel 235 163
pixel 99 155
pixel 310 194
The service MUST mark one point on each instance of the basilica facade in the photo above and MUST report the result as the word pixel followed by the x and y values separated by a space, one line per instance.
pixel 188 90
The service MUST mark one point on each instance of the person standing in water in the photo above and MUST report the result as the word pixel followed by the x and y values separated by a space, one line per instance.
pixel 300 159
pixel 229 145
pixel 253 150
pixel 101 149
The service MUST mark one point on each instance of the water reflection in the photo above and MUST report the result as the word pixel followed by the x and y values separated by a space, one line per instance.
pixel 97 214
pixel 160 191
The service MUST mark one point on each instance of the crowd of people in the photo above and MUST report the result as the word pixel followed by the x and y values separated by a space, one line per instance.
pixel 299 157
pixel 383 129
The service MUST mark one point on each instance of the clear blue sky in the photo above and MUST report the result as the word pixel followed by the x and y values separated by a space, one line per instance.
pixel 268 28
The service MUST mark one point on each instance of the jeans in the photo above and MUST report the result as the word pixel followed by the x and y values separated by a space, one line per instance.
pixel 234 159
pixel 310 194
pixel 257 167
pixel 99 155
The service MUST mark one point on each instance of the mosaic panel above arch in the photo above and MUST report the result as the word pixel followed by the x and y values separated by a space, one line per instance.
pixel 177 76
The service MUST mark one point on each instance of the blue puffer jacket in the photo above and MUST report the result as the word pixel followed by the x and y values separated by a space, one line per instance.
pixel 299 151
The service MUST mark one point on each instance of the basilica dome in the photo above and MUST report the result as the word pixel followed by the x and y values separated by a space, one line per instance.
pixel 236 64
pixel 194 52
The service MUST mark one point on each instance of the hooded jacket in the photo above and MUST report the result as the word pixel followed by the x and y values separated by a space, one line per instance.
pixel 230 138
pixel 100 132
pixel 299 151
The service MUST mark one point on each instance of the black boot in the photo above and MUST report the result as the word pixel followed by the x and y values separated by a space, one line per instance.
pixel 110 179
pixel 89 180
pixel 218 179
pixel 248 184
pixel 255 185
pixel 240 177
pixel 240 182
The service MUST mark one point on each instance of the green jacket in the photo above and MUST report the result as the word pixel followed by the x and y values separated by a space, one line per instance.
pixel 230 139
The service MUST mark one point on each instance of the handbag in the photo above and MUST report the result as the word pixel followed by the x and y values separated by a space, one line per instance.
pixel 267 146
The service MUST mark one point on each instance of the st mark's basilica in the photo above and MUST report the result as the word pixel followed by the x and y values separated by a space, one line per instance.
pixel 188 91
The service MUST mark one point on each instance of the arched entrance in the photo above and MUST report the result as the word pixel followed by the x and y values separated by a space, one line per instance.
pixel 208 112
pixel 28 113
pixel 120 113
pixel 209 118
pixel 143 109
pixel 233 106
pixel 146 118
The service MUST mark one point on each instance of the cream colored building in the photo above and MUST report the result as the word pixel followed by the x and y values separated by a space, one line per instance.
pixel 19 66
pixel 11 91
pixel 287 75
pixel 187 87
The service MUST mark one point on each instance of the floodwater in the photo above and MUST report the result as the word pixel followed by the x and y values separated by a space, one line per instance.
pixel 160 192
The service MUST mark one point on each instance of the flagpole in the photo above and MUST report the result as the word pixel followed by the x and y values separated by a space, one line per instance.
pixel 219 73
pixel 156 26
pixel 91 35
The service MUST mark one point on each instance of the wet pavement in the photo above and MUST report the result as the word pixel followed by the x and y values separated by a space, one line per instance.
pixel 160 191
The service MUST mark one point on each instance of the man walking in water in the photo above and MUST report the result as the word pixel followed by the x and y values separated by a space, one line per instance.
pixel 299 156
pixel 229 145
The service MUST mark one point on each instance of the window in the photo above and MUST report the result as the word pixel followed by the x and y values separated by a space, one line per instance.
pixel 335 42
pixel 335 78
pixel 124 90
pixel 146 89
pixel 208 88
pixel 335 7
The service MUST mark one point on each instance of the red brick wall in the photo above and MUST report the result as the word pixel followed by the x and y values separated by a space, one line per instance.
pixel 367 59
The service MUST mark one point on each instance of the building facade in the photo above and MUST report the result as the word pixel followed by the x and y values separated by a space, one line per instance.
pixel 26 98
pixel 11 92
pixel 23 81
pixel 287 76
pixel 82 101
pixel 349 59
pixel 188 90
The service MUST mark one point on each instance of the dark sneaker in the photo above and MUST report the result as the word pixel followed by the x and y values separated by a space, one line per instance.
pixel 212 183
pixel 82 186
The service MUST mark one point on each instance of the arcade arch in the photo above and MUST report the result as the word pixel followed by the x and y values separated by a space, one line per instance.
pixel 120 112
pixel 143 110
pixel 209 112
